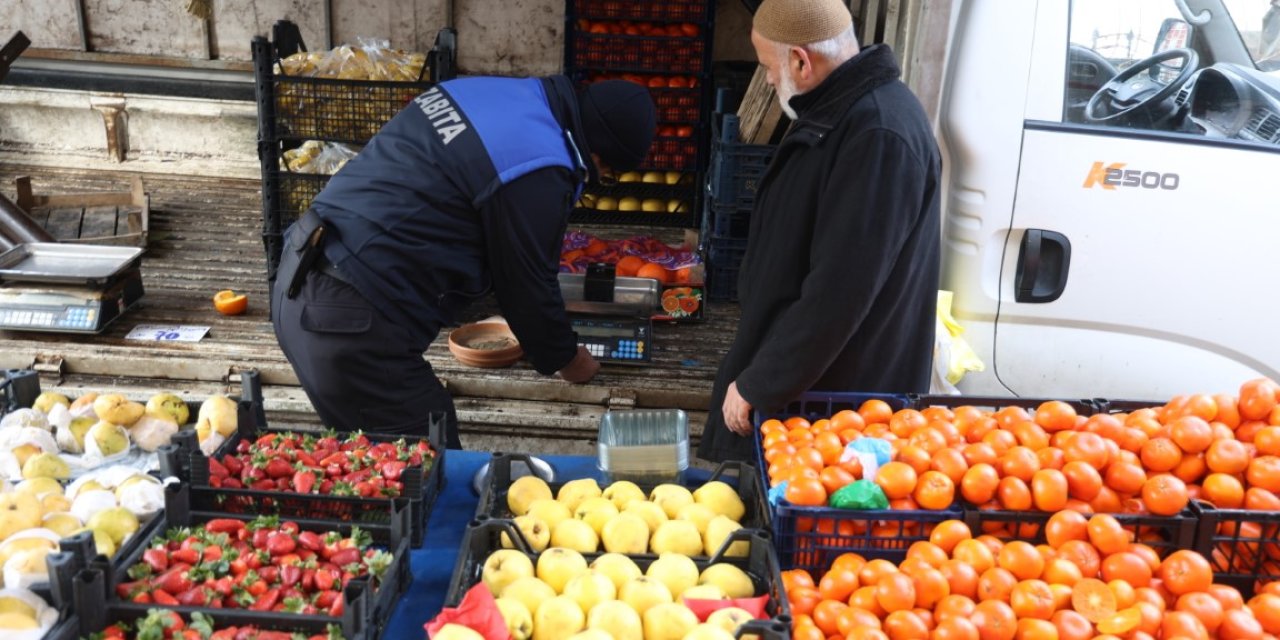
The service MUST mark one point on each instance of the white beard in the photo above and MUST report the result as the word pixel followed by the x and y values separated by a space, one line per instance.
pixel 786 89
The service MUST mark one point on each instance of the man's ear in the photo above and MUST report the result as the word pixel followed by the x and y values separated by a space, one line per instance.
pixel 803 63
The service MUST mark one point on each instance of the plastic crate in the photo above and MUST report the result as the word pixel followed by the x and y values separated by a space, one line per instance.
pixel 682 10
pixel 96 613
pixel 812 537
pixel 728 221
pixel 736 168
pixel 1243 546
pixel 18 390
pixel 739 475
pixel 1083 406
pixel 374 514
pixel 285 197
pixel 372 606
pixel 761 565
pixel 723 259
pixel 1165 534
pixel 621 52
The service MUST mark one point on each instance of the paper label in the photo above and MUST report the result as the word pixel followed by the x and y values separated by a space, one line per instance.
pixel 167 333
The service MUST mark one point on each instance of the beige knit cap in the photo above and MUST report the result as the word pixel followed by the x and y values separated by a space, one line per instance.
pixel 799 22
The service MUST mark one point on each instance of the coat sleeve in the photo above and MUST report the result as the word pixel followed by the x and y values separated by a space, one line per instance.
pixel 872 201
pixel 524 224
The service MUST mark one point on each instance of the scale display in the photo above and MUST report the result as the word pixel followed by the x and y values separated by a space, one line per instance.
pixel 66 308
pixel 615 340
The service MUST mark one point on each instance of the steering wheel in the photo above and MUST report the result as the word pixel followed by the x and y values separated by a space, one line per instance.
pixel 1133 90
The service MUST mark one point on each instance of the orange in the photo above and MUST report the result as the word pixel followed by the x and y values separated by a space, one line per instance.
pixel 1227 456
pixel 1184 571
pixel 1191 434
pixel 1203 606
pixel 1264 472
pixel 1164 495
pixel 1106 534
pixel 1257 399
pixel 1121 622
pixel 934 490
pixel 230 303
pixel 979 483
pixel 996 583
pixel 655 271
pixel 1223 491
pixel 1083 481
pixel 1055 415
pixel 996 620
pixel 905 625
pixel 1049 490
pixel 896 592
pixel 1072 625
pixel 1066 525
pixel 897 479
pixel 1160 454
pixel 1240 625
pixel 875 411
pixel 1032 599
pixel 1021 559
pixel 1127 566
pixel 806 492
pixel 628 266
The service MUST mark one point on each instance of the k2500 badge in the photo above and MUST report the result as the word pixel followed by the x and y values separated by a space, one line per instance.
pixel 1110 176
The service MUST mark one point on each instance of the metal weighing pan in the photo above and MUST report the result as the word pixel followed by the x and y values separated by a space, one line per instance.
pixel 631 296
pixel 67 264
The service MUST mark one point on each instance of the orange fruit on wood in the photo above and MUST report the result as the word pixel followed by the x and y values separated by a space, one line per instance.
pixel 230 303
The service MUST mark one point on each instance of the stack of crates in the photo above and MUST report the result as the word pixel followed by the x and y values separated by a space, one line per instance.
pixel 732 182
pixel 666 46
pixel 294 109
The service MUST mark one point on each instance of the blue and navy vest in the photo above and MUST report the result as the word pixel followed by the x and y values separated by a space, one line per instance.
pixel 402 215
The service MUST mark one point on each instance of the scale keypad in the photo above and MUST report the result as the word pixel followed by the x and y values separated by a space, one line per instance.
pixel 69 318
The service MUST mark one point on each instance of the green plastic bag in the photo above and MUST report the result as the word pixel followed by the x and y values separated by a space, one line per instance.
pixel 861 495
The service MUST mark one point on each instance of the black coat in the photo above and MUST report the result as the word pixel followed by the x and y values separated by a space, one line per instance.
pixel 838 287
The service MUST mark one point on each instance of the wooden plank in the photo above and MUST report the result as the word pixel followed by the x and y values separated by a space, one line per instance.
pixel 760 113
pixel 99 222
pixel 63 223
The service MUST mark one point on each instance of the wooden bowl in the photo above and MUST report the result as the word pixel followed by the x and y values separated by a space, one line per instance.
pixel 488 345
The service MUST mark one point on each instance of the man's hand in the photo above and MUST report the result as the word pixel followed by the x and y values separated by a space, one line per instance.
pixel 737 411
pixel 582 368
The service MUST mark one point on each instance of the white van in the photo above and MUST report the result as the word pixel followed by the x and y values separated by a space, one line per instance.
pixel 1111 224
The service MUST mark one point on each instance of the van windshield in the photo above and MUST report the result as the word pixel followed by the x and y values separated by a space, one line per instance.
pixel 1258 22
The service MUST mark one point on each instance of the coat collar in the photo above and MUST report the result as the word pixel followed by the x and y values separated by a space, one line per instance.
pixel 823 106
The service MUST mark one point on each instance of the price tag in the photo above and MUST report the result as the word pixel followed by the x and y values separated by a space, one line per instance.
pixel 167 333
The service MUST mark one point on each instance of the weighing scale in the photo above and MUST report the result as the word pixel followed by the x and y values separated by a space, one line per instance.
pixel 610 314
pixel 67 288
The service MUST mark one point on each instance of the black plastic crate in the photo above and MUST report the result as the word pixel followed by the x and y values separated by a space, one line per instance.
pixel 679 10
pixel 97 614
pixel 371 605
pixel 1082 406
pixel 739 475
pixel 761 565
pixel 285 197
pixel 374 514
pixel 1242 546
pixel 1164 534
pixel 621 52
pixel 736 168
pixel 811 538
pixel 18 390
pixel 723 259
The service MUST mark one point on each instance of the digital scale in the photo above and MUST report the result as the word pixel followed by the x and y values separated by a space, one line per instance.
pixel 67 288
pixel 611 315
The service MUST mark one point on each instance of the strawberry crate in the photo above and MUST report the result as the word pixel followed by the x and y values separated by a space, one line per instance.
pixel 98 614
pixel 1242 545
pixel 370 601
pixel 506 467
pixel 374 513
pixel 484 536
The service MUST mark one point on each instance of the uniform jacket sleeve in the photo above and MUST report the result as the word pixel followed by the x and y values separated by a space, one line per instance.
pixel 869 206
pixel 524 225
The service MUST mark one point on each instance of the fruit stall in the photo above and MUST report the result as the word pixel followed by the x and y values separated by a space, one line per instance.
pixel 861 516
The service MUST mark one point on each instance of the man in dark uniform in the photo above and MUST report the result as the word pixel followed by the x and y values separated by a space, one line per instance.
pixel 465 191
pixel 839 283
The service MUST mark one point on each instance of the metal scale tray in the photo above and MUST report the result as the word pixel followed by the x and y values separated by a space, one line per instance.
pixel 50 262
pixel 631 296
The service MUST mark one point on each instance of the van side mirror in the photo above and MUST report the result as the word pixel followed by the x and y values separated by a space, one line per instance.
pixel 1174 34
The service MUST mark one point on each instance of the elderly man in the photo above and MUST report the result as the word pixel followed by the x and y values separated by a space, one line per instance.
pixel 839 284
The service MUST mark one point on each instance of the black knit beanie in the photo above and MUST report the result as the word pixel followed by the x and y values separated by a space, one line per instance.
pixel 618 119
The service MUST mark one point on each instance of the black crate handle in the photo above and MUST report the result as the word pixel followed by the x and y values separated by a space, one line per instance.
pixel 62 567
pixel 89 594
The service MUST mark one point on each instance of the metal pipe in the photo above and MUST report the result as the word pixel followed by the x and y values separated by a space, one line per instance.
pixel 18 226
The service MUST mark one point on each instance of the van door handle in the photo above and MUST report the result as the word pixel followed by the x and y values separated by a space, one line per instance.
pixel 1043 261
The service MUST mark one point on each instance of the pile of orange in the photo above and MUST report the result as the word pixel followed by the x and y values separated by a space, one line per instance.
pixel 1089 580
pixel 1221 449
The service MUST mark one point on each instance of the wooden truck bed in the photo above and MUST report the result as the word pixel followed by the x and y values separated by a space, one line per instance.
pixel 204 236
